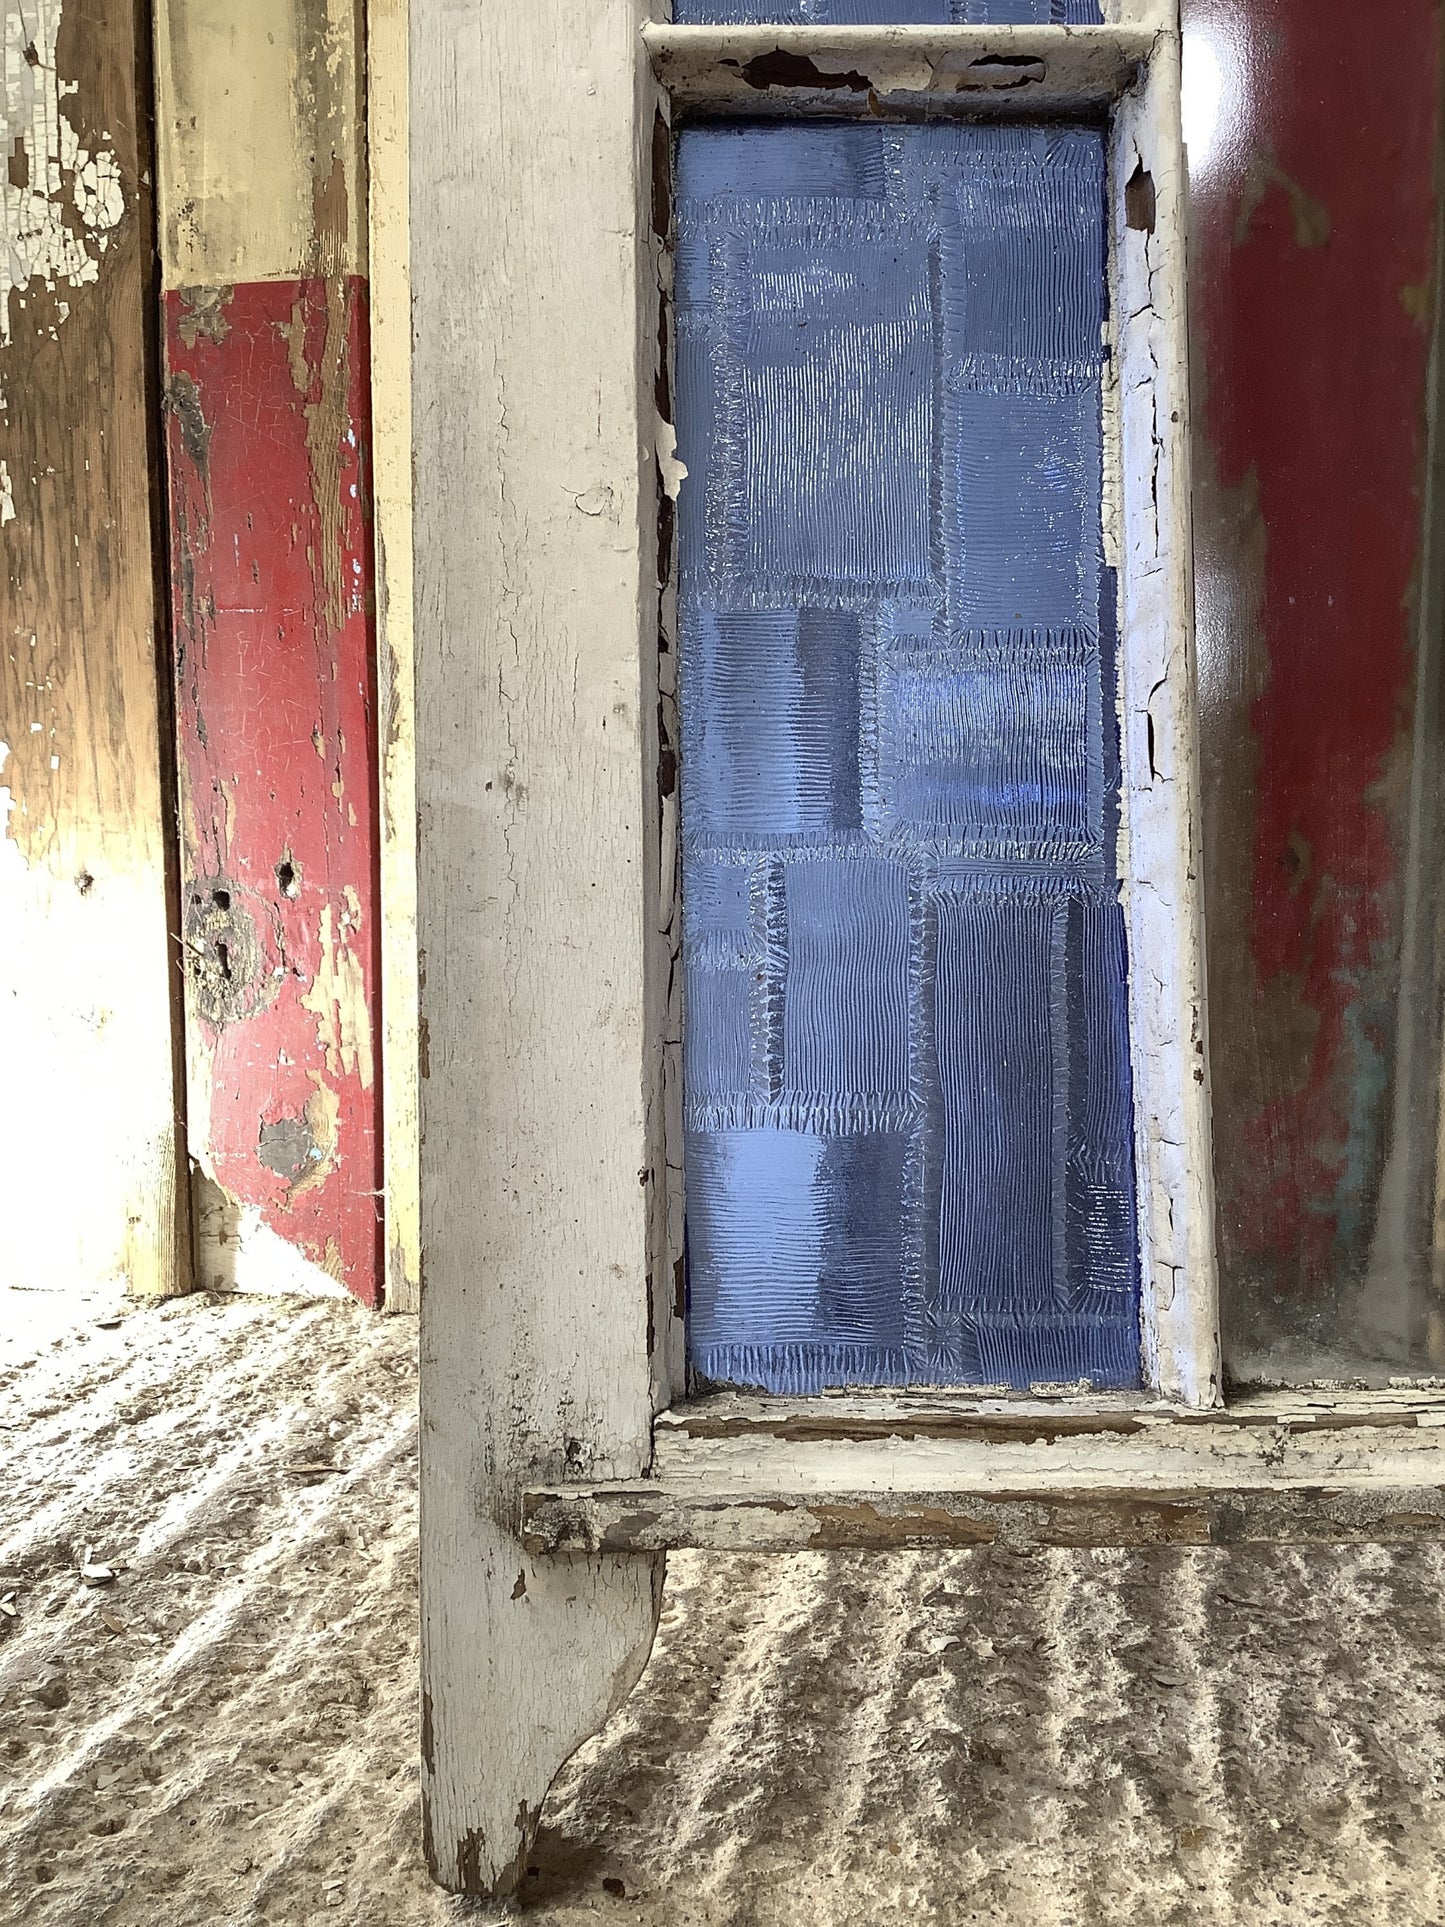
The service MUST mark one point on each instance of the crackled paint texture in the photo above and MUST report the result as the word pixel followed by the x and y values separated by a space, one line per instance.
pixel 267 404
pixel 1312 127
pixel 61 199
pixel 907 1086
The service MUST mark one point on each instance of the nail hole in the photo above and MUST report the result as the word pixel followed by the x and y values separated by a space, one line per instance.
pixel 1139 202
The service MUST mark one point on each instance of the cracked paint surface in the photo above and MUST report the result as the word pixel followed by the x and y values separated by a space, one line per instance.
pixel 60 200
pixel 267 427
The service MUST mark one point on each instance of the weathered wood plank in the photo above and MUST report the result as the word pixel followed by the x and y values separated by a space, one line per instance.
pixel 1283 1469
pixel 90 1174
pixel 858 70
pixel 269 495
pixel 536 609
pixel 617 1520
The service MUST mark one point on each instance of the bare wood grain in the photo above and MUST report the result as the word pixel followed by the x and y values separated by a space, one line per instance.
pixel 89 979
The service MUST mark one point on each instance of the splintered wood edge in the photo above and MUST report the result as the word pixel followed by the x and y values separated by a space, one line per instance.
pixel 651 1519
pixel 981 1419
pixel 865 70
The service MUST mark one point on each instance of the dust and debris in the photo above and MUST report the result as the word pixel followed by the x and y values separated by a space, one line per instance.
pixel 1183 1738
pixel 226 959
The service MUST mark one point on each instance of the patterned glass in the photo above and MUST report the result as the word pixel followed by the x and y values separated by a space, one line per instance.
pixel 908 1109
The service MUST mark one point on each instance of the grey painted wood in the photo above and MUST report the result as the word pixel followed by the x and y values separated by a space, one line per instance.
pixel 535 612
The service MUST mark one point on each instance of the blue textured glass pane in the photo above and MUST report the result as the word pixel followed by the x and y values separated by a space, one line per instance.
pixel 770 733
pixel 909 1120
pixel 839 13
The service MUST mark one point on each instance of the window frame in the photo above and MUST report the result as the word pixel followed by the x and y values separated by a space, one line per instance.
pixel 1130 69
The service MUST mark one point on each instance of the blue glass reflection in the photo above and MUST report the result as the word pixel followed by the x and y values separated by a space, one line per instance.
pixel 908 1110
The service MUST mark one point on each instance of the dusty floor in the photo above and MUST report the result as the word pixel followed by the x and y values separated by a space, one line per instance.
pixel 226 1733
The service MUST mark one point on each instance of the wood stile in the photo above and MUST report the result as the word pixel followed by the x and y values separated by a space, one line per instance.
pixel 550 1108
pixel 535 512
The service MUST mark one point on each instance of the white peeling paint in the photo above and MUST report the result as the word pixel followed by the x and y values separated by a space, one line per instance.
pixel 55 228
pixel 7 497
pixel 674 472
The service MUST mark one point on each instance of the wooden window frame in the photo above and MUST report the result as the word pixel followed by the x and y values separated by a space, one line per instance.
pixel 561 1458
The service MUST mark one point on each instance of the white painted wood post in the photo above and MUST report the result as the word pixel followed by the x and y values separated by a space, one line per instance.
pixel 535 615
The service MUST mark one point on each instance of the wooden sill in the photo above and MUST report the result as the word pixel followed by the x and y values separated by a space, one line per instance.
pixel 754 1475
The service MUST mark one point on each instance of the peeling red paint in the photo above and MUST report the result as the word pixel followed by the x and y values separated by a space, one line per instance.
pixel 268 428
pixel 1313 234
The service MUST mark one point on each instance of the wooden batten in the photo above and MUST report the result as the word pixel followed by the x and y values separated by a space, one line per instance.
pixel 89 987
pixel 390 269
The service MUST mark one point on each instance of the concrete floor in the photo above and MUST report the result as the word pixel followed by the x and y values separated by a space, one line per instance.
pixel 226 1734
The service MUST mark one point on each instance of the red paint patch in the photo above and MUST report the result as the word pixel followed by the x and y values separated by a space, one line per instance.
pixel 1314 231
pixel 268 428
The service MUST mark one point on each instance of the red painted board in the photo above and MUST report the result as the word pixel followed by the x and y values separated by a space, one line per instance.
pixel 267 428
pixel 1314 126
